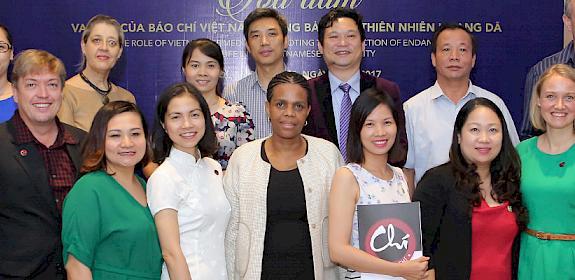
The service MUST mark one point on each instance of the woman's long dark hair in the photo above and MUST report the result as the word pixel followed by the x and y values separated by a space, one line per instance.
pixel 505 169
pixel 161 142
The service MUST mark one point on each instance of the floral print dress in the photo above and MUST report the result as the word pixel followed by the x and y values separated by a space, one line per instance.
pixel 233 126
pixel 374 190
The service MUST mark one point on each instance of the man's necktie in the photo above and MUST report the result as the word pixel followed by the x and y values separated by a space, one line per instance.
pixel 344 114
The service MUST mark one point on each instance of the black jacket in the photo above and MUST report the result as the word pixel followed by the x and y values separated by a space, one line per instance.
pixel 446 225
pixel 29 219
pixel 321 122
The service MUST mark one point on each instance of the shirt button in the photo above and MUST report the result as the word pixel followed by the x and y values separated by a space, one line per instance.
pixel 309 190
pixel 53 176
pixel 313 226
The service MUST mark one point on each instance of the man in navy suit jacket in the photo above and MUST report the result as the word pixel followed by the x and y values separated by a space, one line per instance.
pixel 342 42
pixel 40 161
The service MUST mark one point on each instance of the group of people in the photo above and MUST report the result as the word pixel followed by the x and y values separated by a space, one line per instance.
pixel 262 179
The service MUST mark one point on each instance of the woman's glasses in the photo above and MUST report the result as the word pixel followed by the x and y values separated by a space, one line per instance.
pixel 4 47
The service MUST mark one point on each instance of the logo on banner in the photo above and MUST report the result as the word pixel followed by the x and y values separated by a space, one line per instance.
pixel 235 8
pixel 390 239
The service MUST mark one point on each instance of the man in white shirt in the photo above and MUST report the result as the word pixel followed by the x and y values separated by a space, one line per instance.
pixel 265 31
pixel 430 114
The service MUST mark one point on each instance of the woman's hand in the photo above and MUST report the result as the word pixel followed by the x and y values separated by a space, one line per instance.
pixel 414 269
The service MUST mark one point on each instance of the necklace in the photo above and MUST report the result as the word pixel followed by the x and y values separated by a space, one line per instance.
pixel 104 93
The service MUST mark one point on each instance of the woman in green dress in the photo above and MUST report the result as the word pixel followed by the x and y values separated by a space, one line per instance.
pixel 548 179
pixel 108 231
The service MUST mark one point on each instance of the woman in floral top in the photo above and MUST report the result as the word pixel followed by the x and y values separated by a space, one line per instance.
pixel 203 66
pixel 368 179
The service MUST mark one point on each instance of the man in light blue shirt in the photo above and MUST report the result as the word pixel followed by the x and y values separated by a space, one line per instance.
pixel 430 114
pixel 265 31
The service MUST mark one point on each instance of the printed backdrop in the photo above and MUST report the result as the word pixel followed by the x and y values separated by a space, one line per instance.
pixel 512 36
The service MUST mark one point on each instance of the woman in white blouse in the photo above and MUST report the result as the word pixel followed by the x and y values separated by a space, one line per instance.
pixel 185 193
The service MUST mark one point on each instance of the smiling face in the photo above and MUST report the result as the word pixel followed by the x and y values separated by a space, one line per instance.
pixel 102 48
pixel 266 42
pixel 39 96
pixel 481 137
pixel 288 109
pixel 125 143
pixel 453 58
pixel 203 72
pixel 557 102
pixel 378 131
pixel 342 47
pixel 184 123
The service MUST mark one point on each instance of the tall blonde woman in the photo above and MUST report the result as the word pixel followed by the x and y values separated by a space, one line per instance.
pixel 548 179
pixel 278 189
pixel 84 94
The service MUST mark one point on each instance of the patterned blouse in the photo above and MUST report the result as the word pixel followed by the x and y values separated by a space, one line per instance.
pixel 234 126
pixel 374 190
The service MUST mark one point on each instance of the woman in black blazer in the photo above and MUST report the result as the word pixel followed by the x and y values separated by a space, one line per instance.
pixel 471 210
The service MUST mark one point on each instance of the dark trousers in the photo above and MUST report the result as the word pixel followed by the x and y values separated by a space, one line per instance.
pixel 51 269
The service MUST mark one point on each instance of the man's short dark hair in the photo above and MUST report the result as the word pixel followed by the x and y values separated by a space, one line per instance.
pixel 328 19
pixel 260 13
pixel 452 26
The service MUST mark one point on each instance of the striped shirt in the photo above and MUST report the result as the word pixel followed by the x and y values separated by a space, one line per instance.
pixel 249 92
pixel 565 56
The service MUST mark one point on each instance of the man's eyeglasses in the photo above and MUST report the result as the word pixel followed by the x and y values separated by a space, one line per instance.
pixel 4 47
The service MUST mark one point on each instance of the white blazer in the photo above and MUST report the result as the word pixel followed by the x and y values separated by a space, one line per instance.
pixel 245 184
